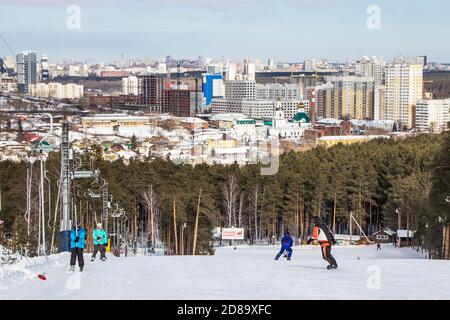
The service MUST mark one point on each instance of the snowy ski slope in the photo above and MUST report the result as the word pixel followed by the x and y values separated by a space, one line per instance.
pixel 244 273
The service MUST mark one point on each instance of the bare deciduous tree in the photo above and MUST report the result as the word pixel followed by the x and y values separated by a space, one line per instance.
pixel 230 193
pixel 153 215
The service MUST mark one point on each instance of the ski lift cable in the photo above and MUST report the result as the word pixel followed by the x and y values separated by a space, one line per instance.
pixel 7 44
pixel 10 50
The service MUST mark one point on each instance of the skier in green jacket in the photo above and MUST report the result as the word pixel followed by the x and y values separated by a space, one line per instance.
pixel 100 242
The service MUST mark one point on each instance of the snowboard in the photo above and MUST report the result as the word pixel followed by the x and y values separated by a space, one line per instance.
pixel 330 267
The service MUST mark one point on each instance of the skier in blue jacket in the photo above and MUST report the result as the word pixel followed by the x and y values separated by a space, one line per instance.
pixel 100 242
pixel 77 235
pixel 286 245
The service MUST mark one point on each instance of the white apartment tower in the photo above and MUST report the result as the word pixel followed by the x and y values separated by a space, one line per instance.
pixel 371 67
pixel 249 70
pixel 231 70
pixel 432 115
pixel 404 83
pixel 241 97
pixel 240 90
pixel 130 85
pixel 44 68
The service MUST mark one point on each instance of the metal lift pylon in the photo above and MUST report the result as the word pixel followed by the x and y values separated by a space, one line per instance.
pixel 66 176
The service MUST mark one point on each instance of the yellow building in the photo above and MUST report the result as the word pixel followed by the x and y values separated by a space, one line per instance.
pixel 330 141
pixel 111 120
pixel 222 143
pixel 404 87
pixel 347 97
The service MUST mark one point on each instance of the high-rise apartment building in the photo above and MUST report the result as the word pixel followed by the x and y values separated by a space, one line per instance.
pixel 241 97
pixel 378 104
pixel 212 87
pixel 240 89
pixel 157 91
pixel 423 60
pixel 371 67
pixel 432 115
pixel 270 64
pixel 249 70
pixel 309 65
pixel 56 90
pixel 404 87
pixel 214 69
pixel 231 71
pixel 182 102
pixel 346 97
pixel 44 68
pixel 130 85
pixel 275 91
pixel 150 89
pixel 26 63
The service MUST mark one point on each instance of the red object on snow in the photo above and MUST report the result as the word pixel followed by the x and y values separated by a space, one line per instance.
pixel 42 277
pixel 31 137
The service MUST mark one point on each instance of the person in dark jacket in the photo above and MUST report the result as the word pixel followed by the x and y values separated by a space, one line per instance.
pixel 77 235
pixel 286 245
pixel 322 233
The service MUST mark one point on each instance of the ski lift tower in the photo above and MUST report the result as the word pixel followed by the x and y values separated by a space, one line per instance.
pixel 66 176
pixel 105 205
pixel 65 189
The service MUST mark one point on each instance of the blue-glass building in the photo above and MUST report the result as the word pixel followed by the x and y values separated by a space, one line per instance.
pixel 208 87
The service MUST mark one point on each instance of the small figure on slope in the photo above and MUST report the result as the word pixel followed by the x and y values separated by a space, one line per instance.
pixel 378 246
pixel 77 245
pixel 286 245
pixel 323 234
pixel 100 242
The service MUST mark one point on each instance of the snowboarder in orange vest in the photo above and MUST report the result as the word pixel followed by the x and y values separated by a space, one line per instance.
pixel 322 233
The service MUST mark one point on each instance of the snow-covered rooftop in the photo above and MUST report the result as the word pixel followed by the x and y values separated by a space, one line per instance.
pixel 405 233
pixel 228 116
pixel 346 237
pixel 330 138
pixel 231 150
pixel 193 120
pixel 329 121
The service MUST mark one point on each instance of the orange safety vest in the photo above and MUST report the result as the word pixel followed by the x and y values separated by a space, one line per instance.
pixel 320 236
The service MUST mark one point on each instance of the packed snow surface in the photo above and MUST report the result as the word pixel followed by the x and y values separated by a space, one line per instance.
pixel 247 272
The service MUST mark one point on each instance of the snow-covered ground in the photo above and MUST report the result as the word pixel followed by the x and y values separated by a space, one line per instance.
pixel 244 273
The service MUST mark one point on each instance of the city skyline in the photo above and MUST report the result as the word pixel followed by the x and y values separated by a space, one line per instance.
pixel 288 30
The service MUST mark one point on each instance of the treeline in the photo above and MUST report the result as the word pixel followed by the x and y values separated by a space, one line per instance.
pixel 400 184
pixel 440 85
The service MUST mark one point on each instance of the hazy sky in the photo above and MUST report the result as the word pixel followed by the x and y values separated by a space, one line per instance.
pixel 288 30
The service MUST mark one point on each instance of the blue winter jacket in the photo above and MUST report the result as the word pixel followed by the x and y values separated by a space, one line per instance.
pixel 287 241
pixel 80 234
pixel 99 233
